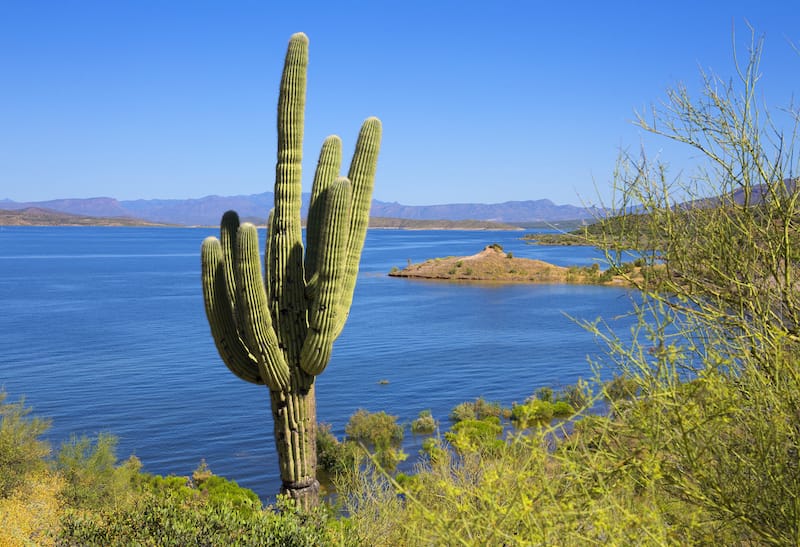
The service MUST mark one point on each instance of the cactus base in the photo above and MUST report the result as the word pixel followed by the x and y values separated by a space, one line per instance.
pixel 305 493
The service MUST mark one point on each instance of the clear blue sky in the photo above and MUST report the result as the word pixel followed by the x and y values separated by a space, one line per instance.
pixel 481 101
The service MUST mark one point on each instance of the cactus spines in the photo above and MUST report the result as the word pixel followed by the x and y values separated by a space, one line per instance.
pixel 279 330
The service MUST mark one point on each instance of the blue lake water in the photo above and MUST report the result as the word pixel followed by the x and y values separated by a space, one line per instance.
pixel 103 330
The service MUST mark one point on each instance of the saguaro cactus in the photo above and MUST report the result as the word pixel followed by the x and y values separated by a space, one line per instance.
pixel 279 330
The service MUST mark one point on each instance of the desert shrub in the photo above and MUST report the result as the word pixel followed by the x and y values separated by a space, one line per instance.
pixel 30 515
pixel 424 424
pixel 512 493
pixel 22 451
pixel 333 456
pixel 472 435
pixel 176 486
pixel 532 413
pixel 544 394
pixel 562 409
pixel 376 429
pixel 175 521
pixel 606 276
pixel 201 474
pixel 222 491
pixel 621 387
pixel 93 478
pixel 433 449
pixel 380 433
pixel 478 409
pixel 576 395
pixel 708 387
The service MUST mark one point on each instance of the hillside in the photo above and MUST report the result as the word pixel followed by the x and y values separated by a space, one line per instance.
pixel 35 216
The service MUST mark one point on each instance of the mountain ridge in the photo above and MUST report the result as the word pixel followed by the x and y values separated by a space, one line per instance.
pixel 208 210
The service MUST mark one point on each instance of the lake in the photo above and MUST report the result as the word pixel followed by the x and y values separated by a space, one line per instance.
pixel 103 330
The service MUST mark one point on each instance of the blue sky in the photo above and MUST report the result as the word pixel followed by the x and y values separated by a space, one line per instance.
pixel 481 101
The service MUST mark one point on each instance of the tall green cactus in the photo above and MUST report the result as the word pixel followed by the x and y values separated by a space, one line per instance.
pixel 279 330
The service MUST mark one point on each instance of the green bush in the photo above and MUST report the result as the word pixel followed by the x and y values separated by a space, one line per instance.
pixel 544 394
pixel 376 429
pixel 424 424
pixel 532 413
pixel 22 451
pixel 380 433
pixel 334 457
pixel 476 435
pixel 475 410
pixel 576 395
pixel 93 477
pixel 432 448
pixel 168 520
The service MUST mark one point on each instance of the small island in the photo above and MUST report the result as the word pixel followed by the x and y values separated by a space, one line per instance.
pixel 494 265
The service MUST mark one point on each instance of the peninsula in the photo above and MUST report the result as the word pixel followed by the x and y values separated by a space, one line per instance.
pixel 37 216
pixel 494 265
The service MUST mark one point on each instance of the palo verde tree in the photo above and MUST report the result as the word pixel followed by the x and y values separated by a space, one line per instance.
pixel 278 328
pixel 716 355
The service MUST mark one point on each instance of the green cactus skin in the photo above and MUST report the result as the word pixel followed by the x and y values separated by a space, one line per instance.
pixel 279 331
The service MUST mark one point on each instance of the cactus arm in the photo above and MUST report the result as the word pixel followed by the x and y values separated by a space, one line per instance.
pixel 323 314
pixel 254 314
pixel 362 178
pixel 231 349
pixel 287 293
pixel 228 227
pixel 330 161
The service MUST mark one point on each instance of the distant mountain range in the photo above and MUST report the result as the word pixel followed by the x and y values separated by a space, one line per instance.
pixel 208 210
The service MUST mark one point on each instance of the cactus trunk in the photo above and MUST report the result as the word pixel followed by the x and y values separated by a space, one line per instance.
pixel 295 420
pixel 279 330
